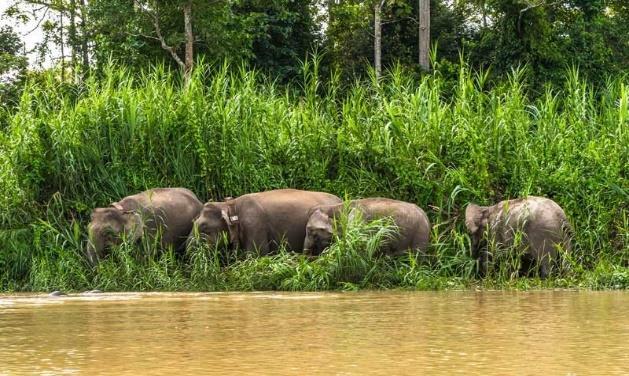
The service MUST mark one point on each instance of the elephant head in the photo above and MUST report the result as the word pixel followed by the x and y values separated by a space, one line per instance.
pixel 106 228
pixel 318 233
pixel 476 219
pixel 216 219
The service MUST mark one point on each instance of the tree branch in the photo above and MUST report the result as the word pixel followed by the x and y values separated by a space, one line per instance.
pixel 41 19
pixel 536 5
pixel 532 6
pixel 160 37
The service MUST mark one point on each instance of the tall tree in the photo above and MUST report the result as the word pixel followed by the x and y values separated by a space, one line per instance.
pixel 152 10
pixel 187 19
pixel 84 39
pixel 424 34
pixel 377 37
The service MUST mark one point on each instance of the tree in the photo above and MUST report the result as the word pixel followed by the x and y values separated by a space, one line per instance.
pixel 187 20
pixel 424 33
pixel 377 37
pixel 152 10
pixel 13 65
pixel 58 21
pixel 141 32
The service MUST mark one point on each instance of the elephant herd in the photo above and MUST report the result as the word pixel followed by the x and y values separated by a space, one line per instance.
pixel 305 221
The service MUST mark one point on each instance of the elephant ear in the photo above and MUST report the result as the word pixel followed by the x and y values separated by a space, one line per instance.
pixel 134 224
pixel 117 206
pixel 319 221
pixel 326 221
pixel 473 218
pixel 232 226
pixel 129 213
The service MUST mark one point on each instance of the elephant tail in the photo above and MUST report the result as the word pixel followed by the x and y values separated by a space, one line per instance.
pixel 565 258
pixel 568 235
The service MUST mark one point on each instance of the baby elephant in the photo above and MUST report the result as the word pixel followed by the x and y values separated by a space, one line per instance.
pixel 412 222
pixel 169 211
pixel 542 222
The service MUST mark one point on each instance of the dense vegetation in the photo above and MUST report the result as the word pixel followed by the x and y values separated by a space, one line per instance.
pixel 228 131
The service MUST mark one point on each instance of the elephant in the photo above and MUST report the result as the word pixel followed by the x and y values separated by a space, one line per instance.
pixel 260 221
pixel 412 222
pixel 541 220
pixel 168 211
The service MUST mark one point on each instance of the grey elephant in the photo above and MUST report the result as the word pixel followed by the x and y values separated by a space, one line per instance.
pixel 412 222
pixel 541 221
pixel 169 211
pixel 261 221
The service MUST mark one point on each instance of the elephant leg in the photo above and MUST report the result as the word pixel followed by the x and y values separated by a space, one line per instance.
pixel 483 260
pixel 544 267
pixel 259 243
pixel 527 265
pixel 544 257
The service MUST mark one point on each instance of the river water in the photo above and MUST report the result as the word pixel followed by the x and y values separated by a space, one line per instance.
pixel 391 333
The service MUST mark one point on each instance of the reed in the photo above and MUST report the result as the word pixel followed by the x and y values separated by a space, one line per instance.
pixel 230 131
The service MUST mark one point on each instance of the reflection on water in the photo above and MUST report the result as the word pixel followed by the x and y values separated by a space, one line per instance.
pixel 536 333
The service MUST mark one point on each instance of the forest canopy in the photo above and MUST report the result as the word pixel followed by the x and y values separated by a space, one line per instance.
pixel 275 36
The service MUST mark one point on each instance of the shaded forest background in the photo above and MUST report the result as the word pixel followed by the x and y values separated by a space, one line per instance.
pixel 274 36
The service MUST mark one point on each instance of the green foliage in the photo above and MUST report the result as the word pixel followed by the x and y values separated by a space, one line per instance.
pixel 11 47
pixel 283 32
pixel 12 68
pixel 548 37
pixel 229 131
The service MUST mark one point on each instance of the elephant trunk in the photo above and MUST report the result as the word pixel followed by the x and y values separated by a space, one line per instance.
pixel 476 245
pixel 190 241
pixel 308 246
pixel 92 255
pixel 95 247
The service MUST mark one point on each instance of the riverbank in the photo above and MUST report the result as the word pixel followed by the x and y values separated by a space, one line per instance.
pixel 340 269
pixel 66 150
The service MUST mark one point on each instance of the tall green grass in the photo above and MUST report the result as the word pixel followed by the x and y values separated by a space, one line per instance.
pixel 230 131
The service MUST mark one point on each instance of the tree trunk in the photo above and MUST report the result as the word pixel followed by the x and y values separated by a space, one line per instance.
pixel 153 14
pixel 377 41
pixel 424 34
pixel 63 55
pixel 72 38
pixel 187 17
pixel 84 37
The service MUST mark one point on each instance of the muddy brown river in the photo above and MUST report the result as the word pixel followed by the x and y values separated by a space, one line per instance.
pixel 390 333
